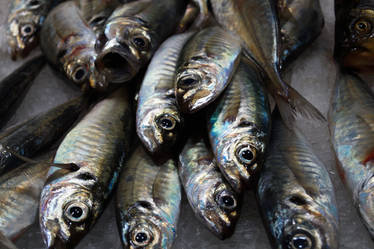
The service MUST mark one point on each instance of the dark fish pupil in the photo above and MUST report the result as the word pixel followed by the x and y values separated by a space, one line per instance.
pixel 166 123
pixel 300 242
pixel 247 155
pixel 34 2
pixel 188 81
pixel 228 201
pixel 76 212
pixel 362 25
pixel 27 30
pixel 141 237
pixel 139 42
pixel 79 74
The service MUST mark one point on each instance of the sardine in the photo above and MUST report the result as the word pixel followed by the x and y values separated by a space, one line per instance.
pixel 148 202
pixel 205 68
pixel 38 133
pixel 72 202
pixel 15 85
pixel 301 22
pixel 354 34
pixel 158 121
pixel 188 19
pixel 351 122
pixel 69 43
pixel 257 25
pixel 133 33
pixel 239 127
pixel 213 200
pixel 295 194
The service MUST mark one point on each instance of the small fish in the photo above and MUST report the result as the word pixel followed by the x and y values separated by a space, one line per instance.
pixel 256 23
pixel 38 133
pixel 148 202
pixel 213 200
pixel 351 123
pixel 205 68
pixel 24 21
pixel 188 19
pixel 15 85
pixel 71 202
pixel 69 43
pixel 239 127
pixel 295 194
pixel 133 33
pixel 158 121
pixel 354 34
pixel 300 22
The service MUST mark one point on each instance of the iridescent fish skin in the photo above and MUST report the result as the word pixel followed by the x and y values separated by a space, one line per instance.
pixel 133 33
pixel 295 194
pixel 24 22
pixel 239 127
pixel 211 198
pixel 205 68
pixel 158 121
pixel 71 202
pixel 69 43
pixel 300 22
pixel 148 202
pixel 354 34
pixel 351 122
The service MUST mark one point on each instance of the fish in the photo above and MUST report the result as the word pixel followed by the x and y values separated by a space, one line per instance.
pixel 354 29
pixel 351 125
pixel 205 67
pixel 256 23
pixel 158 121
pixel 68 42
pixel 211 198
pixel 148 202
pixel 38 133
pixel 239 126
pixel 188 19
pixel 71 202
pixel 295 193
pixel 25 19
pixel 133 33
pixel 14 87
pixel 300 22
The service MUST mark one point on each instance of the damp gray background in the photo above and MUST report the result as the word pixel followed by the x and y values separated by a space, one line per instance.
pixel 313 75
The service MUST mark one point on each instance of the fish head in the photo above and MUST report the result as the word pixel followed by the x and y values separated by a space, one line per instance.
pixel 66 214
pixel 126 46
pixel 159 128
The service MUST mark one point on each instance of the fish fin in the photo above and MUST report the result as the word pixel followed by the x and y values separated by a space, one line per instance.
pixel 6 243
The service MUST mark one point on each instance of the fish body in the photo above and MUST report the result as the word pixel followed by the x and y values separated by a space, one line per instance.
pixel 211 198
pixel 239 127
pixel 71 202
pixel 133 33
pixel 351 123
pixel 295 194
pixel 148 202
pixel 15 85
pixel 205 68
pixel 354 34
pixel 158 119
pixel 69 43
pixel 38 133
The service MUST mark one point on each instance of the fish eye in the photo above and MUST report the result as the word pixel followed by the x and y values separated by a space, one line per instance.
pixel 79 74
pixel 226 201
pixel 76 211
pixel 189 81
pixel 246 155
pixel 141 237
pixel 27 30
pixel 34 3
pixel 301 240
pixel 140 42
pixel 166 122
pixel 362 27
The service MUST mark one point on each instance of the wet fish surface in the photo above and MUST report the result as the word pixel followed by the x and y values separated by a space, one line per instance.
pixel 239 127
pixel 148 202
pixel 211 198
pixel 295 194
pixel 38 133
pixel 205 68
pixel 351 123
pixel 158 121
pixel 71 202
pixel 133 33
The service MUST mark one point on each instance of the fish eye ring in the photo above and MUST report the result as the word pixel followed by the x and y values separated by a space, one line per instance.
pixel 189 80
pixel 246 154
pixel 140 42
pixel 76 211
pixel 166 122
pixel 226 201
pixel 34 4
pixel 141 237
pixel 301 240
pixel 362 27
pixel 79 74
pixel 27 29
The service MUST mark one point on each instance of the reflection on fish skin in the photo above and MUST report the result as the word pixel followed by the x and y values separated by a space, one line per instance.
pixel 239 127
pixel 351 123
pixel 211 198
pixel 71 202
pixel 295 194
pixel 148 202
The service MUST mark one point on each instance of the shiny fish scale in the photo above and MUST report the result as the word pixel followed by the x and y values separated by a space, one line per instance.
pixel 295 192
pixel 351 122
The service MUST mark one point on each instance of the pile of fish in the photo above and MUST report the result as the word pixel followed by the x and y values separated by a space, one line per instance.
pixel 176 95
